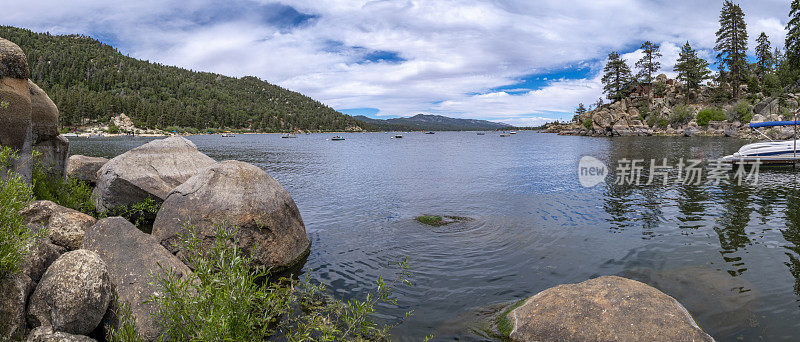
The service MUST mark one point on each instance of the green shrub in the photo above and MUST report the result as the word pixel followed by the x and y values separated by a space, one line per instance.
pixel 681 115
pixel 742 112
pixel 659 88
pixel 720 94
pixel 710 114
pixel 15 236
pixel 588 124
pixel 69 193
pixel 113 129
pixel 772 85
pixel 644 110
pixel 141 214
pixel 662 123
pixel 125 329
pixel 225 299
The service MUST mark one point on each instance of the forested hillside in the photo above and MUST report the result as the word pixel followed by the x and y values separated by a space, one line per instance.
pixel 91 81
pixel 432 123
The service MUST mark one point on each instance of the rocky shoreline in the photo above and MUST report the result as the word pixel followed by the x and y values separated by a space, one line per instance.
pixel 669 113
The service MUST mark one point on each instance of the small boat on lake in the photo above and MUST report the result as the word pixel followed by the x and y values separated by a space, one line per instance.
pixel 512 132
pixel 227 135
pixel 288 135
pixel 429 132
pixel 767 152
pixel 481 133
pixel 398 136
pixel 337 138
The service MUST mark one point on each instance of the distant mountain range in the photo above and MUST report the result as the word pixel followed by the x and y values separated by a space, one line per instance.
pixel 430 123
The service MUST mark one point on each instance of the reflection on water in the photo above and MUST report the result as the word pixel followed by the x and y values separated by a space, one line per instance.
pixel 730 253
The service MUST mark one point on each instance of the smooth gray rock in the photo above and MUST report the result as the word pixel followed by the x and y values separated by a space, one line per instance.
pixel 84 168
pixel 42 255
pixel 608 308
pixel 73 295
pixel 53 155
pixel 65 226
pixel 234 193
pixel 150 170
pixel 15 122
pixel 47 334
pixel 14 290
pixel 133 258
pixel 13 62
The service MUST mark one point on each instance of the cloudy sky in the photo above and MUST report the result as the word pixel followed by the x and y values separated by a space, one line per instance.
pixel 517 61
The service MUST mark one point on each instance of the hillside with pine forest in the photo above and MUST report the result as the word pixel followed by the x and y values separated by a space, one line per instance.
pixel 91 82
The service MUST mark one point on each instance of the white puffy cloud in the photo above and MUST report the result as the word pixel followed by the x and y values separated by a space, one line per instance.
pixel 453 52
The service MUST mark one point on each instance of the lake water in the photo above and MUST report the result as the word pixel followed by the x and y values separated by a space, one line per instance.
pixel 729 253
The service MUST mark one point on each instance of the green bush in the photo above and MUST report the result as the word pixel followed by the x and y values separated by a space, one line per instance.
pixel 710 114
pixel 720 94
pixel 659 88
pixel 113 129
pixel 15 236
pixel 69 193
pixel 588 124
pixel 681 115
pixel 644 110
pixel 225 299
pixel 742 112
pixel 662 123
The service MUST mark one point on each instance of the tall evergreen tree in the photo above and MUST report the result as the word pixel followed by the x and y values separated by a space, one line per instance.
pixel 793 35
pixel 764 57
pixel 732 44
pixel 578 111
pixel 692 70
pixel 616 78
pixel 648 64
pixel 777 58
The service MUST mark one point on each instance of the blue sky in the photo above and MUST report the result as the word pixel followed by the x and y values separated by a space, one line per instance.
pixel 517 61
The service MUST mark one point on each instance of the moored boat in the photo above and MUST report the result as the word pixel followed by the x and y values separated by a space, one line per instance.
pixel 337 138
pixel 288 135
pixel 767 152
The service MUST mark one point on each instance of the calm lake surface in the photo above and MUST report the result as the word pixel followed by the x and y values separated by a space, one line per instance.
pixel 729 253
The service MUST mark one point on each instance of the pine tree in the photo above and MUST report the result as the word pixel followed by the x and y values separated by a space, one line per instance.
pixel 793 36
pixel 648 64
pixel 579 111
pixel 765 59
pixel 777 58
pixel 692 70
pixel 617 77
pixel 732 44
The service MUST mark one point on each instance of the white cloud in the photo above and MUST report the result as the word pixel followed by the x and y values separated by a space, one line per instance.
pixel 455 51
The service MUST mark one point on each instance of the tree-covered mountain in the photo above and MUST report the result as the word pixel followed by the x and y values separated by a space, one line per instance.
pixel 91 81
pixel 432 123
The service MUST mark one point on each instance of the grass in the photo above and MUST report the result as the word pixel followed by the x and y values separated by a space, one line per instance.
pixel 430 220
pixel 503 324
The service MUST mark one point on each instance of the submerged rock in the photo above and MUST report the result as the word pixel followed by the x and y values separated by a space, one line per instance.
pixel 438 221
pixel 234 193
pixel 608 308
pixel 84 168
pixel 148 171
pixel 73 295
pixel 133 258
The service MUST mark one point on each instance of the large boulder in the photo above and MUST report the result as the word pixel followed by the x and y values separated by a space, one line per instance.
pixel 53 155
pixel 47 334
pixel 73 294
pixel 84 168
pixel 65 226
pixel 133 258
pixel 42 254
pixel 234 193
pixel 148 171
pixel 15 106
pixel 44 114
pixel 608 308
pixel 14 290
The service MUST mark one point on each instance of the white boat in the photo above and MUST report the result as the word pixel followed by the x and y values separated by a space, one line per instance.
pixel 227 135
pixel 512 132
pixel 398 136
pixel 288 135
pixel 767 152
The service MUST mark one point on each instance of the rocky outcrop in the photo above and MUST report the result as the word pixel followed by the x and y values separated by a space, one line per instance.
pixel 123 122
pixel 608 308
pixel 44 114
pixel 47 334
pixel 84 168
pixel 133 258
pixel 151 170
pixel 42 254
pixel 65 226
pixel 73 294
pixel 270 229
pixel 15 105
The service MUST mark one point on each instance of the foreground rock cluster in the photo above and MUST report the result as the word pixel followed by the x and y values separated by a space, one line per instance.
pixel 28 117
pixel 67 286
